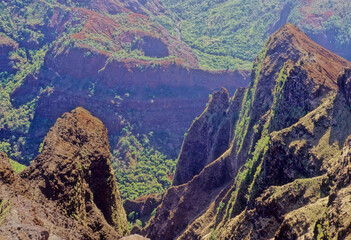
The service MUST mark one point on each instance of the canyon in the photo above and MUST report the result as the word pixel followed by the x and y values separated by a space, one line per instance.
pixel 164 119
pixel 270 162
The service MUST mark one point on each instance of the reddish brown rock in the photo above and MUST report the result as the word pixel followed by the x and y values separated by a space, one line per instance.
pixel 74 170
pixel 199 147
pixel 294 81
pixel 69 191
pixel 166 91
pixel 7 174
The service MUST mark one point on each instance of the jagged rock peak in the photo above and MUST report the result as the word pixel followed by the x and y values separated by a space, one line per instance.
pixel 291 36
pixel 291 43
pixel 219 100
pixel 74 170
pixel 199 148
pixel 290 78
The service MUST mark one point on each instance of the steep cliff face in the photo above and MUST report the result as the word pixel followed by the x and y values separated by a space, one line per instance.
pixel 113 58
pixel 206 140
pixel 85 187
pixel 288 127
pixel 182 203
pixel 167 97
pixel 69 187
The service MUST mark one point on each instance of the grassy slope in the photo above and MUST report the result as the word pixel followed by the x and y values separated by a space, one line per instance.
pixel 17 166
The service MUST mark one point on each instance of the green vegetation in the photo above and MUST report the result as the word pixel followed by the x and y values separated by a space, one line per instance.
pixel 17 166
pixel 41 28
pixel 247 182
pixel 18 119
pixel 23 22
pixel 139 168
pixel 242 125
pixel 230 33
pixel 225 34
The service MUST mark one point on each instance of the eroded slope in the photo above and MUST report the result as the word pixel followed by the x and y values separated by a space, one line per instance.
pixel 293 79
pixel 69 191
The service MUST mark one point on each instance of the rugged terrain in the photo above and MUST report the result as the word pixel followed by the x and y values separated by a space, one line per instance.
pixel 113 58
pixel 69 191
pixel 270 162
pixel 145 66
pixel 279 176
pixel 230 33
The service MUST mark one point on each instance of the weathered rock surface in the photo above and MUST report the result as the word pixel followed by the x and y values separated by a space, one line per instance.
pixel 198 149
pixel 344 83
pixel 7 174
pixel 290 124
pixel 184 202
pixel 142 207
pixel 69 187
pixel 135 237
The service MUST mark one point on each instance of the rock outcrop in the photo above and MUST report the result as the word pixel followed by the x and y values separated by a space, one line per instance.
pixel 288 126
pixel 7 174
pixel 344 83
pixel 142 208
pixel 73 180
pixel 198 149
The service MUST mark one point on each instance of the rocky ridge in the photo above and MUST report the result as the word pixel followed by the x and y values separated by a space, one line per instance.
pixel 272 162
pixel 142 208
pixel 287 134
pixel 69 191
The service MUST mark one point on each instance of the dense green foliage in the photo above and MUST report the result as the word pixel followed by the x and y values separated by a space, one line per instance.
pixel 24 22
pixel 41 27
pixel 230 33
pixel 139 168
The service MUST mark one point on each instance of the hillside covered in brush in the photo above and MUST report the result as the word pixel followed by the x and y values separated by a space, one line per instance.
pixel 230 33
pixel 271 162
pixel 145 68
pixel 114 58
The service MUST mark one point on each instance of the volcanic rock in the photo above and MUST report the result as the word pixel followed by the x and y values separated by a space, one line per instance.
pixel 69 191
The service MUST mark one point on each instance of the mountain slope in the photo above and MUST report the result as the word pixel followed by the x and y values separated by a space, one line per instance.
pixel 230 33
pixel 69 191
pixel 293 81
pixel 113 58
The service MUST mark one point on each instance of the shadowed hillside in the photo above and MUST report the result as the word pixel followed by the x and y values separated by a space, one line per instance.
pixel 284 142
